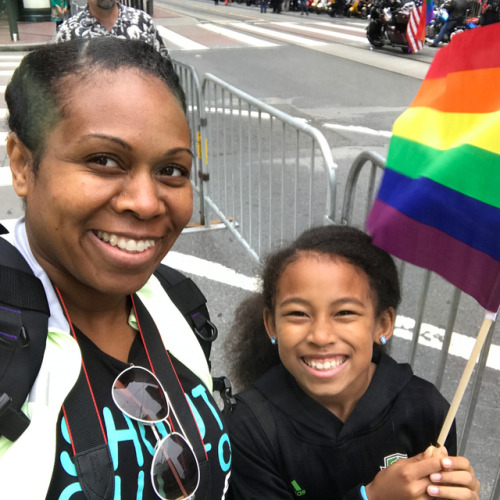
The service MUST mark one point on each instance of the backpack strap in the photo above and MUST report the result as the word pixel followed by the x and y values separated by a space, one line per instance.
pixel 259 406
pixel 24 315
pixel 191 302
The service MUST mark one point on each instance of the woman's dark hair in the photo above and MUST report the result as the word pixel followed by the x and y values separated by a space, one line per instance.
pixel 40 88
pixel 248 347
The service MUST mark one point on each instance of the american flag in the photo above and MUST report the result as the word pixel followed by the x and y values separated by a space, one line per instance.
pixel 415 32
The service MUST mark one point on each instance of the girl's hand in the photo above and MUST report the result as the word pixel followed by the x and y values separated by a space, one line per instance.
pixel 432 474
pixel 456 481
pixel 407 479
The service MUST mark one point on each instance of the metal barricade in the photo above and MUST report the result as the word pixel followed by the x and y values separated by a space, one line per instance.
pixel 420 298
pixel 191 85
pixel 270 175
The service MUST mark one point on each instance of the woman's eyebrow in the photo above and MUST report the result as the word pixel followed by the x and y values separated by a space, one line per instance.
pixel 105 137
pixel 180 150
pixel 127 146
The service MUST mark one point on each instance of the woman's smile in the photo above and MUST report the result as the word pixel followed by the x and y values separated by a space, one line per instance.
pixel 113 191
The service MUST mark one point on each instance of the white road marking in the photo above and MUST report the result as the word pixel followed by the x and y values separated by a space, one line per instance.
pixel 281 36
pixel 358 129
pixel 181 41
pixel 250 40
pixel 332 33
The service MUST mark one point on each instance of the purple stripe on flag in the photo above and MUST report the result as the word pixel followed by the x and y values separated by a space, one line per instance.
pixel 473 271
pixel 469 220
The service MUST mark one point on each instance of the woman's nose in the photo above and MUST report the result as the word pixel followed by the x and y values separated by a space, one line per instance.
pixel 141 196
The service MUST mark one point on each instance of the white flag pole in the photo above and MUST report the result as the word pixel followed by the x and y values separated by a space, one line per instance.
pixel 489 318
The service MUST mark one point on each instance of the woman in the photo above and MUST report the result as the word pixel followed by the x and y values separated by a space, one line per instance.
pixel 327 415
pixel 100 154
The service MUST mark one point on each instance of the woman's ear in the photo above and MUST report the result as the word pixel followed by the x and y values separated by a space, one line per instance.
pixel 385 325
pixel 20 164
pixel 269 323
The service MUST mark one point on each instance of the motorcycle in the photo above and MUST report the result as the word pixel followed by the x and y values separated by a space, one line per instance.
pixel 388 24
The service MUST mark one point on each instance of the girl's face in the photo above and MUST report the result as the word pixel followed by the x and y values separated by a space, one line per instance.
pixel 325 325
pixel 112 193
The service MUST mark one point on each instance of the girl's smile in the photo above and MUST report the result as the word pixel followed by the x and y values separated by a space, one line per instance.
pixel 325 323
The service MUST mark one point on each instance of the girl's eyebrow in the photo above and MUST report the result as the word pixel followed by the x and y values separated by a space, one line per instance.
pixel 344 300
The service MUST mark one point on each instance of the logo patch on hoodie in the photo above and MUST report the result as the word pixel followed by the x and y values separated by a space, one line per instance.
pixel 390 459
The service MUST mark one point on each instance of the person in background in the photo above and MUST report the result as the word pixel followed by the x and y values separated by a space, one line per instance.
pixel 100 153
pixel 111 18
pixel 326 414
pixel 490 12
pixel 59 11
pixel 457 10
pixel 303 7
pixel 263 6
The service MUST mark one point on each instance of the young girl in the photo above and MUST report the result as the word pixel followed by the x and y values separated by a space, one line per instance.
pixel 329 415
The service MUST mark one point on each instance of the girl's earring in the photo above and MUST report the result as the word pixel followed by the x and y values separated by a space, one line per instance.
pixel 273 340
pixel 383 340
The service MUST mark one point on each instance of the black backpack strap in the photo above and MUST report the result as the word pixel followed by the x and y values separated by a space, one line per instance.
pixel 258 405
pixel 188 298
pixel 92 458
pixel 24 314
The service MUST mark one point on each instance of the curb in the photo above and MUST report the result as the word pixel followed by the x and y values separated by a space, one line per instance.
pixel 21 47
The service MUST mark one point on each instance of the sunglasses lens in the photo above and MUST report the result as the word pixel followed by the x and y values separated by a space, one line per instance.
pixel 137 393
pixel 175 472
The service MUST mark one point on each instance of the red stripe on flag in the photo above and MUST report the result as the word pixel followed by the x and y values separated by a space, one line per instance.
pixel 458 55
pixel 415 31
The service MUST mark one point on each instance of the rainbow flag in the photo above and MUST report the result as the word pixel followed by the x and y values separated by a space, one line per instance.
pixel 438 206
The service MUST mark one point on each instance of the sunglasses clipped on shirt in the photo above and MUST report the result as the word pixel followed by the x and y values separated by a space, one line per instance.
pixel 175 472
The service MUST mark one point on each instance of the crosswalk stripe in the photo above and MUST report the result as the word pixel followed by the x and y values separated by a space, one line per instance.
pixel 250 40
pixel 9 64
pixel 18 56
pixel 344 27
pixel 181 41
pixel 333 34
pixel 6 72
pixel 281 36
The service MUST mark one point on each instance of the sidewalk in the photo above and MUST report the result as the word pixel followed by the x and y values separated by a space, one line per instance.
pixel 30 35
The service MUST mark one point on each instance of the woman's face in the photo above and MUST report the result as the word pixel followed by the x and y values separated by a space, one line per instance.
pixel 112 192
pixel 325 324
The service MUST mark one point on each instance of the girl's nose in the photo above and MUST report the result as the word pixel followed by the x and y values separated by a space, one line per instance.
pixel 322 332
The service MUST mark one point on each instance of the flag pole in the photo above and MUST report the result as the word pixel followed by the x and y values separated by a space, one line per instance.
pixel 489 318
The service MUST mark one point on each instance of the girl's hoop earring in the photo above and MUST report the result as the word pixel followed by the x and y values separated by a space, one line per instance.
pixel 383 340
pixel 273 340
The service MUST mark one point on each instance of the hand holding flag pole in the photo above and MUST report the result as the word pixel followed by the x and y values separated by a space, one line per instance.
pixel 438 205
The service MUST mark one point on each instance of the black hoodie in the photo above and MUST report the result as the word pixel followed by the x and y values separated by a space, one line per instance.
pixel 321 458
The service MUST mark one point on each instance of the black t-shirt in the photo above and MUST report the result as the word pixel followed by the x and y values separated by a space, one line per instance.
pixel 132 443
